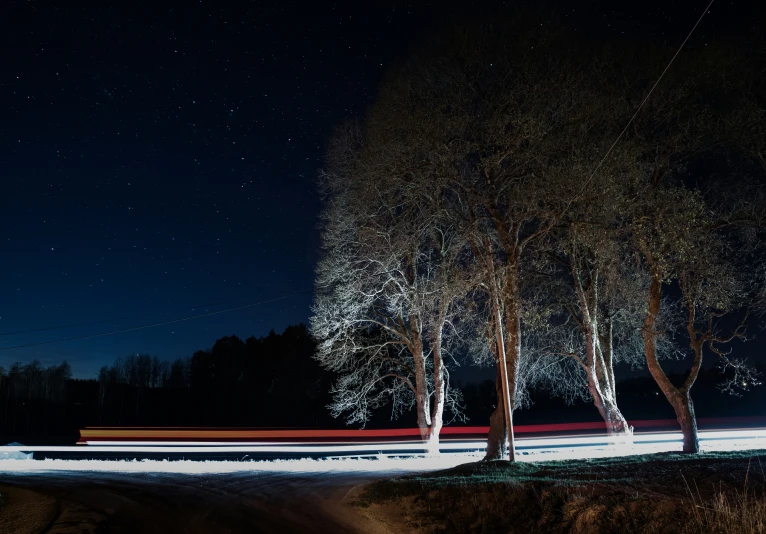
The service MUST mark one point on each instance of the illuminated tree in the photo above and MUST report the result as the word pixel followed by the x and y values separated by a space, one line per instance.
pixel 492 124
pixel 593 299
pixel 386 295
pixel 512 139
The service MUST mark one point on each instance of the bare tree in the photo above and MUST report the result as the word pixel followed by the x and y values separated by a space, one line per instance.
pixel 446 321
pixel 669 223
pixel 385 293
pixel 595 319
pixel 365 319
pixel 495 137
pixel 493 126
pixel 715 281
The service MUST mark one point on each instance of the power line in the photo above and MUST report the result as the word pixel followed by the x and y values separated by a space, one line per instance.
pixel 282 297
pixel 646 97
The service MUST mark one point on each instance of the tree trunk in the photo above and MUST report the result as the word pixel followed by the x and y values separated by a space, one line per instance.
pixel 500 422
pixel 421 404
pixel 684 408
pixel 497 438
pixel 421 391
pixel 602 387
pixel 679 399
pixel 437 408
pixel 616 425
pixel 432 444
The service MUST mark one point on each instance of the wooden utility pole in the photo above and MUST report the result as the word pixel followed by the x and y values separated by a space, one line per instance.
pixel 507 404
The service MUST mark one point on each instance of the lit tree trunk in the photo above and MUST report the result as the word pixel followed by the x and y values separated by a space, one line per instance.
pixel 496 438
pixel 437 408
pixel 501 420
pixel 421 384
pixel 512 355
pixel 616 425
pixel 601 386
pixel 598 362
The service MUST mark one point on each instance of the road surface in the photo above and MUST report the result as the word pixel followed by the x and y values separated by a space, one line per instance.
pixel 193 503
pixel 301 497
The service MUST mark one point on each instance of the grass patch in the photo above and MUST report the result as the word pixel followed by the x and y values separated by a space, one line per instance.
pixel 669 492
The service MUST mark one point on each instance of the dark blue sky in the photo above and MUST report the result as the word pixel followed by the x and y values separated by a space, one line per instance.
pixel 159 158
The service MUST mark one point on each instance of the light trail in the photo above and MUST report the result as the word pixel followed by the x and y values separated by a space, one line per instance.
pixel 391 458
pixel 94 435
pixel 523 443
pixel 291 449
pixel 549 447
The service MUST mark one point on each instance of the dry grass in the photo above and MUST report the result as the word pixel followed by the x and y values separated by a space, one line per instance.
pixel 733 511
pixel 666 493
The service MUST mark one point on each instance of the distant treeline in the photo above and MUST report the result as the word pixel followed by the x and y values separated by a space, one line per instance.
pixel 33 397
pixel 272 381
pixel 267 381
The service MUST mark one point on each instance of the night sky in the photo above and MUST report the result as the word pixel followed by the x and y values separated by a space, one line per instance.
pixel 159 161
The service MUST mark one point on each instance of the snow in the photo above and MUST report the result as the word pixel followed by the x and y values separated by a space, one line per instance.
pixel 329 465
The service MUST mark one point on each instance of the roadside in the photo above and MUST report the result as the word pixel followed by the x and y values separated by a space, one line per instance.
pixel 160 503
pixel 668 492
pixel 25 512
pixel 56 496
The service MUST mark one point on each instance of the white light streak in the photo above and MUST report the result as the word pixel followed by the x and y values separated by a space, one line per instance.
pixel 366 457
pixel 290 449
pixel 376 464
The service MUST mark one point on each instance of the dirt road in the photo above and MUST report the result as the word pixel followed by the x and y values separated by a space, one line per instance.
pixel 164 503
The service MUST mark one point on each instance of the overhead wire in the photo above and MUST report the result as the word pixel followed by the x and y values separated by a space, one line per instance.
pixel 600 163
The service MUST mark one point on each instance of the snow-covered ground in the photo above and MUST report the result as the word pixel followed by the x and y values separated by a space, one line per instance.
pixel 393 465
